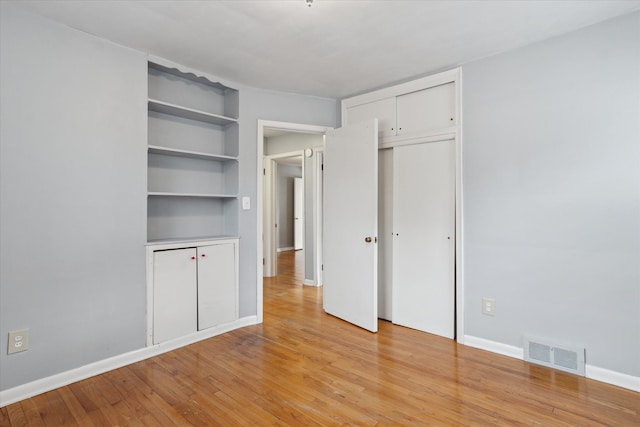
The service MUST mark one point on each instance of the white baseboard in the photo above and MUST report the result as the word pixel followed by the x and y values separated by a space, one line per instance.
pixel 494 347
pixel 309 282
pixel 592 372
pixel 288 248
pixel 62 379
pixel 613 377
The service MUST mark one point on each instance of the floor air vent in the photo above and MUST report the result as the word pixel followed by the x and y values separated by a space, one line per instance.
pixel 563 357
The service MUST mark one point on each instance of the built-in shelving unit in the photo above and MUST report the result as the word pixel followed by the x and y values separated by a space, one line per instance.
pixel 189 113
pixel 210 195
pixel 192 157
pixel 153 149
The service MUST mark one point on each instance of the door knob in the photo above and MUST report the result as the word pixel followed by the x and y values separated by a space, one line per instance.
pixel 367 239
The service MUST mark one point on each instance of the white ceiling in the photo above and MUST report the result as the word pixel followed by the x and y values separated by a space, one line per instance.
pixel 333 49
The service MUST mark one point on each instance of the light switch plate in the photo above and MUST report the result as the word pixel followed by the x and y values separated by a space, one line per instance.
pixel 246 203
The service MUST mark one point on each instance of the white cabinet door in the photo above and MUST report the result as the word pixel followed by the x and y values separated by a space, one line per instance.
pixel 174 294
pixel 351 224
pixel 425 110
pixel 423 248
pixel 383 110
pixel 217 290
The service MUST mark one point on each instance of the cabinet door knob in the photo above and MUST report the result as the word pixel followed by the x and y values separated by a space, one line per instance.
pixel 203 255
pixel 367 239
pixel 193 257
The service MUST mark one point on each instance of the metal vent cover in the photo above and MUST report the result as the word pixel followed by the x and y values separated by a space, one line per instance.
pixel 554 355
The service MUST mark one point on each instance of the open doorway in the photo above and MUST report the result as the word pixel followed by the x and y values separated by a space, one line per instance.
pixel 282 148
pixel 288 202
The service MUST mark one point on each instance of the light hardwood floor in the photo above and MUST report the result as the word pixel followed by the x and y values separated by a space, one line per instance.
pixel 303 367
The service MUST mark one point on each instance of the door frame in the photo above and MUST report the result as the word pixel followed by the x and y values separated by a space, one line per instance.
pixel 298 213
pixel 270 209
pixel 291 127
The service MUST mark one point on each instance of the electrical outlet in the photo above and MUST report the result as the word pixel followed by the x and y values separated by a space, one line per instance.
pixel 488 306
pixel 18 341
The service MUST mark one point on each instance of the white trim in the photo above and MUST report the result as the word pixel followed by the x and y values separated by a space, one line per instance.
pixel 592 372
pixel 612 377
pixel 494 347
pixel 429 137
pixel 459 220
pixel 288 248
pixel 309 282
pixel 294 127
pixel 269 238
pixel 62 379
pixel 184 69
pixel 401 89
pixel 317 213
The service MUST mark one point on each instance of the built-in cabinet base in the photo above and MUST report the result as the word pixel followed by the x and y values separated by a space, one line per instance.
pixel 191 286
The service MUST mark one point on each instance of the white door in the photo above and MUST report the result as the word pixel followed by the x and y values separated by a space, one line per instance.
pixel 423 295
pixel 298 214
pixel 174 294
pixel 351 224
pixel 217 301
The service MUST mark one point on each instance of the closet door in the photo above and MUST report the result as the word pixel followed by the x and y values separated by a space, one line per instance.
pixel 384 110
pixel 423 294
pixel 426 110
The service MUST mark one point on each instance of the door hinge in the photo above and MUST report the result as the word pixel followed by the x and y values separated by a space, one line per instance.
pixel 264 171
pixel 322 167
pixel 262 261
pixel 322 267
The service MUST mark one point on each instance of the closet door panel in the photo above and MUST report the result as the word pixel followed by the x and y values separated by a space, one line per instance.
pixel 426 110
pixel 384 110
pixel 423 246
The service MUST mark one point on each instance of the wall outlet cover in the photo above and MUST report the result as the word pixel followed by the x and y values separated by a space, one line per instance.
pixel 18 341
pixel 488 306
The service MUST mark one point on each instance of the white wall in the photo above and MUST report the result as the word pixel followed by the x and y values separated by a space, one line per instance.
pixel 292 141
pixel 73 197
pixel 73 193
pixel 552 193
